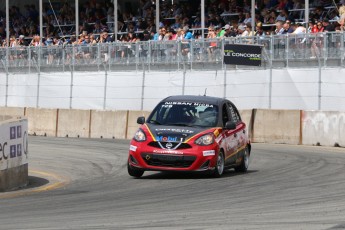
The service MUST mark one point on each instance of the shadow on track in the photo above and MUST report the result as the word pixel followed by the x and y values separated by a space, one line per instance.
pixel 192 175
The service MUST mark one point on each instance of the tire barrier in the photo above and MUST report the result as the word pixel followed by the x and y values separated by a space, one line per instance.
pixel 266 126
pixel 13 152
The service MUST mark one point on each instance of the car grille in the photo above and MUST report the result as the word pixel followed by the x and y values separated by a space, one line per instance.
pixel 166 160
pixel 174 144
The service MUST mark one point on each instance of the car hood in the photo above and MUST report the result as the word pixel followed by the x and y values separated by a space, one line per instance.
pixel 164 133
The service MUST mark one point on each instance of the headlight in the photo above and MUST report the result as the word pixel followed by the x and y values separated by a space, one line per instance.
pixel 206 139
pixel 140 136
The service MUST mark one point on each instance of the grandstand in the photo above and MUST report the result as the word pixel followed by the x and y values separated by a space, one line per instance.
pixel 60 69
pixel 139 43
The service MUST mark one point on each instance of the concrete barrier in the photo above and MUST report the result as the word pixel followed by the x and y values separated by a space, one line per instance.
pixel 13 152
pixel 12 111
pixel 323 128
pixel 132 125
pixel 108 124
pixel 73 123
pixel 42 122
pixel 246 116
pixel 277 126
pixel 266 126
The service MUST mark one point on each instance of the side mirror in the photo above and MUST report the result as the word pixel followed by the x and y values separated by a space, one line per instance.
pixel 141 120
pixel 230 125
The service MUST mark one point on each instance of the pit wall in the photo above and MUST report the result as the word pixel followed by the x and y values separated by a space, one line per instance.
pixel 13 151
pixel 264 126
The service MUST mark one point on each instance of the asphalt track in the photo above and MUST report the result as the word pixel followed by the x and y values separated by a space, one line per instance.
pixel 83 184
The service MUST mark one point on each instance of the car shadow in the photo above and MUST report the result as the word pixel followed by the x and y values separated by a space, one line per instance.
pixel 192 175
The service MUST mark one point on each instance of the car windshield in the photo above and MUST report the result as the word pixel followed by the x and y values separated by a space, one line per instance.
pixel 184 114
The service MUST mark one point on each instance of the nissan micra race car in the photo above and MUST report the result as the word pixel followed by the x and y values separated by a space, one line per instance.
pixel 190 133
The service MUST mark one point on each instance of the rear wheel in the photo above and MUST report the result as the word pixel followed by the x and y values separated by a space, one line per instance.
pixel 135 172
pixel 219 169
pixel 243 167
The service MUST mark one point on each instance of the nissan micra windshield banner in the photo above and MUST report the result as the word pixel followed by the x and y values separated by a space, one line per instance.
pixel 242 54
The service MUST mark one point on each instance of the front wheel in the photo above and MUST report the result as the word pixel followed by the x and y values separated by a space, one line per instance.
pixel 135 172
pixel 243 167
pixel 219 169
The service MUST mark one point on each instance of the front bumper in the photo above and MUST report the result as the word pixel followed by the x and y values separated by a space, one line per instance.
pixel 197 158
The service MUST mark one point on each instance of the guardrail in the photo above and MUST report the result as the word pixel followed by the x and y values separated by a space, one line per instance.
pixel 325 49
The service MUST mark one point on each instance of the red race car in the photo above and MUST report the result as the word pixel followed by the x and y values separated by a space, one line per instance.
pixel 190 133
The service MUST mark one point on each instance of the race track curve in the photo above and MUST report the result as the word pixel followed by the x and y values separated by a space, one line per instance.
pixel 83 184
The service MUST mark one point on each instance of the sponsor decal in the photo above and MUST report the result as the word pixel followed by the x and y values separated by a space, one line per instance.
pixel 133 148
pixel 169 145
pixel 237 54
pixel 176 130
pixel 166 139
pixel 19 150
pixel 208 153
pixel 216 133
pixel 12 132
pixel 13 151
pixel 13 145
pixel 168 152
pixel 187 103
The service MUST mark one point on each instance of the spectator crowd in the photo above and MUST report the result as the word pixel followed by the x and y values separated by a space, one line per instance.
pixel 178 21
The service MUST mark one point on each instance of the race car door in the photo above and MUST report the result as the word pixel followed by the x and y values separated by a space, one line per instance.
pixel 239 140
pixel 229 136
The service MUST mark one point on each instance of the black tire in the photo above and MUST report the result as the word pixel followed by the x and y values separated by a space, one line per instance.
pixel 134 172
pixel 243 167
pixel 220 165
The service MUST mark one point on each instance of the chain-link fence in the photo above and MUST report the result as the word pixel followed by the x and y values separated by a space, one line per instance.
pixel 292 50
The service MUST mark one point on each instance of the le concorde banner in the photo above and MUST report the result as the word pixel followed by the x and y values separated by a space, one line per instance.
pixel 237 54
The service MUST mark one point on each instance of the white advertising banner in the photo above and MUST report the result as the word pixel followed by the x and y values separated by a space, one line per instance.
pixel 13 143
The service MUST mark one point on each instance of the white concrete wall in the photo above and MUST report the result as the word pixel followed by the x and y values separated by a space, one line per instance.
pixel 323 128
pixel 291 89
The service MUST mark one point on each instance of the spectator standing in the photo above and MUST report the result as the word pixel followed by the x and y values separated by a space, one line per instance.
pixel 187 34
pixel 213 44
pixel 341 20
pixel 317 41
pixel 146 36
pixel 21 41
pixel 328 27
pixel 220 32
pixel 241 31
pixel 228 31
pixel 279 28
pixel 105 38
pixel 287 27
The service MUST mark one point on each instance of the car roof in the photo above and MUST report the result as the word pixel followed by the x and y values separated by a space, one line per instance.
pixel 194 98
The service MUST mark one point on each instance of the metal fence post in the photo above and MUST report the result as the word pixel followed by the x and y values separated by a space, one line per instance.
pixel 29 58
pixel 6 69
pixel 184 79
pixel 270 82
pixel 72 73
pixel 224 93
pixel 342 51
pixel 105 87
pixel 142 91
pixel 39 76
